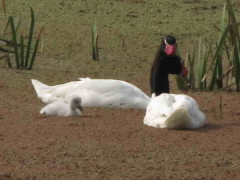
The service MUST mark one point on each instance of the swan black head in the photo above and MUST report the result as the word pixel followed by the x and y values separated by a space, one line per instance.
pixel 171 40
pixel 168 45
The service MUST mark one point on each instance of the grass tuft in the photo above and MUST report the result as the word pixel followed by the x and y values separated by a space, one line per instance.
pixel 24 55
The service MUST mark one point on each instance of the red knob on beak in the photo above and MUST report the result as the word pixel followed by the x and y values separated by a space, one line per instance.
pixel 170 49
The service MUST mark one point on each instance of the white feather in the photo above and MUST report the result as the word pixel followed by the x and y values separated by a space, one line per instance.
pixel 95 93
pixel 174 112
pixel 63 107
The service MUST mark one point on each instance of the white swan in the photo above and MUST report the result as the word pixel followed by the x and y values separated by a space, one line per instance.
pixel 70 107
pixel 174 112
pixel 95 93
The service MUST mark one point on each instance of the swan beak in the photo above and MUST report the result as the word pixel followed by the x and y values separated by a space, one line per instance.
pixel 80 108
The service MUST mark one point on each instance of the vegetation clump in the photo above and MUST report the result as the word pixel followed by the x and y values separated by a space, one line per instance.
pixel 220 67
pixel 24 54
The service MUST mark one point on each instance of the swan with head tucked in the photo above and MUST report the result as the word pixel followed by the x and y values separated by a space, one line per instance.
pixel 95 93
pixel 70 107
pixel 174 112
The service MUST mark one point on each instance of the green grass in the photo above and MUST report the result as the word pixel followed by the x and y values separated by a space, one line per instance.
pixel 68 39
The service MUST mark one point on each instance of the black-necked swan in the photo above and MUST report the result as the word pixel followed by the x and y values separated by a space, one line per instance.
pixel 166 62
pixel 70 107
pixel 95 93
pixel 174 112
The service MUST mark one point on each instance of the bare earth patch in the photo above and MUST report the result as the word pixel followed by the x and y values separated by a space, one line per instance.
pixel 114 143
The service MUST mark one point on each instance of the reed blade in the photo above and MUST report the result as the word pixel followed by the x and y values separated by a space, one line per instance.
pixel 200 64
pixel 235 42
pixel 233 20
pixel 30 35
pixel 22 51
pixel 6 26
pixel 222 26
pixel 192 67
pixel 219 74
pixel 204 68
pixel 14 40
pixel 191 76
pixel 219 80
pixel 18 25
pixel 35 49
pixel 181 82
pixel 8 61
pixel 94 42
pixel 215 59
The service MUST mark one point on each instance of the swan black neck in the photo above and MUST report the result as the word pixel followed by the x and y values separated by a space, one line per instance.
pixel 164 65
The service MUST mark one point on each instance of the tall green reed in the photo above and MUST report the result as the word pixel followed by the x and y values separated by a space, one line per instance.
pixel 24 55
pixel 235 43
pixel 94 42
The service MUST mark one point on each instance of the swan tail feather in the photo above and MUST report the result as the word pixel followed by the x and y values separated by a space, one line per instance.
pixel 42 111
pixel 39 87
pixel 42 91
pixel 84 79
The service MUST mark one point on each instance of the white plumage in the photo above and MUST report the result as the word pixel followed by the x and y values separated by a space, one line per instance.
pixel 164 111
pixel 95 93
pixel 174 112
pixel 70 107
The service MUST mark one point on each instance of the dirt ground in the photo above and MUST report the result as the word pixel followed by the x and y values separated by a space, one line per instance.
pixel 113 143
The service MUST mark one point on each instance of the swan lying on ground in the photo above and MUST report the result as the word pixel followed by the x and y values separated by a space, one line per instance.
pixel 164 111
pixel 95 93
pixel 70 107
pixel 174 112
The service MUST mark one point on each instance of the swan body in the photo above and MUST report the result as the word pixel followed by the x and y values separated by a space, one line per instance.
pixel 174 112
pixel 95 93
pixel 61 107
